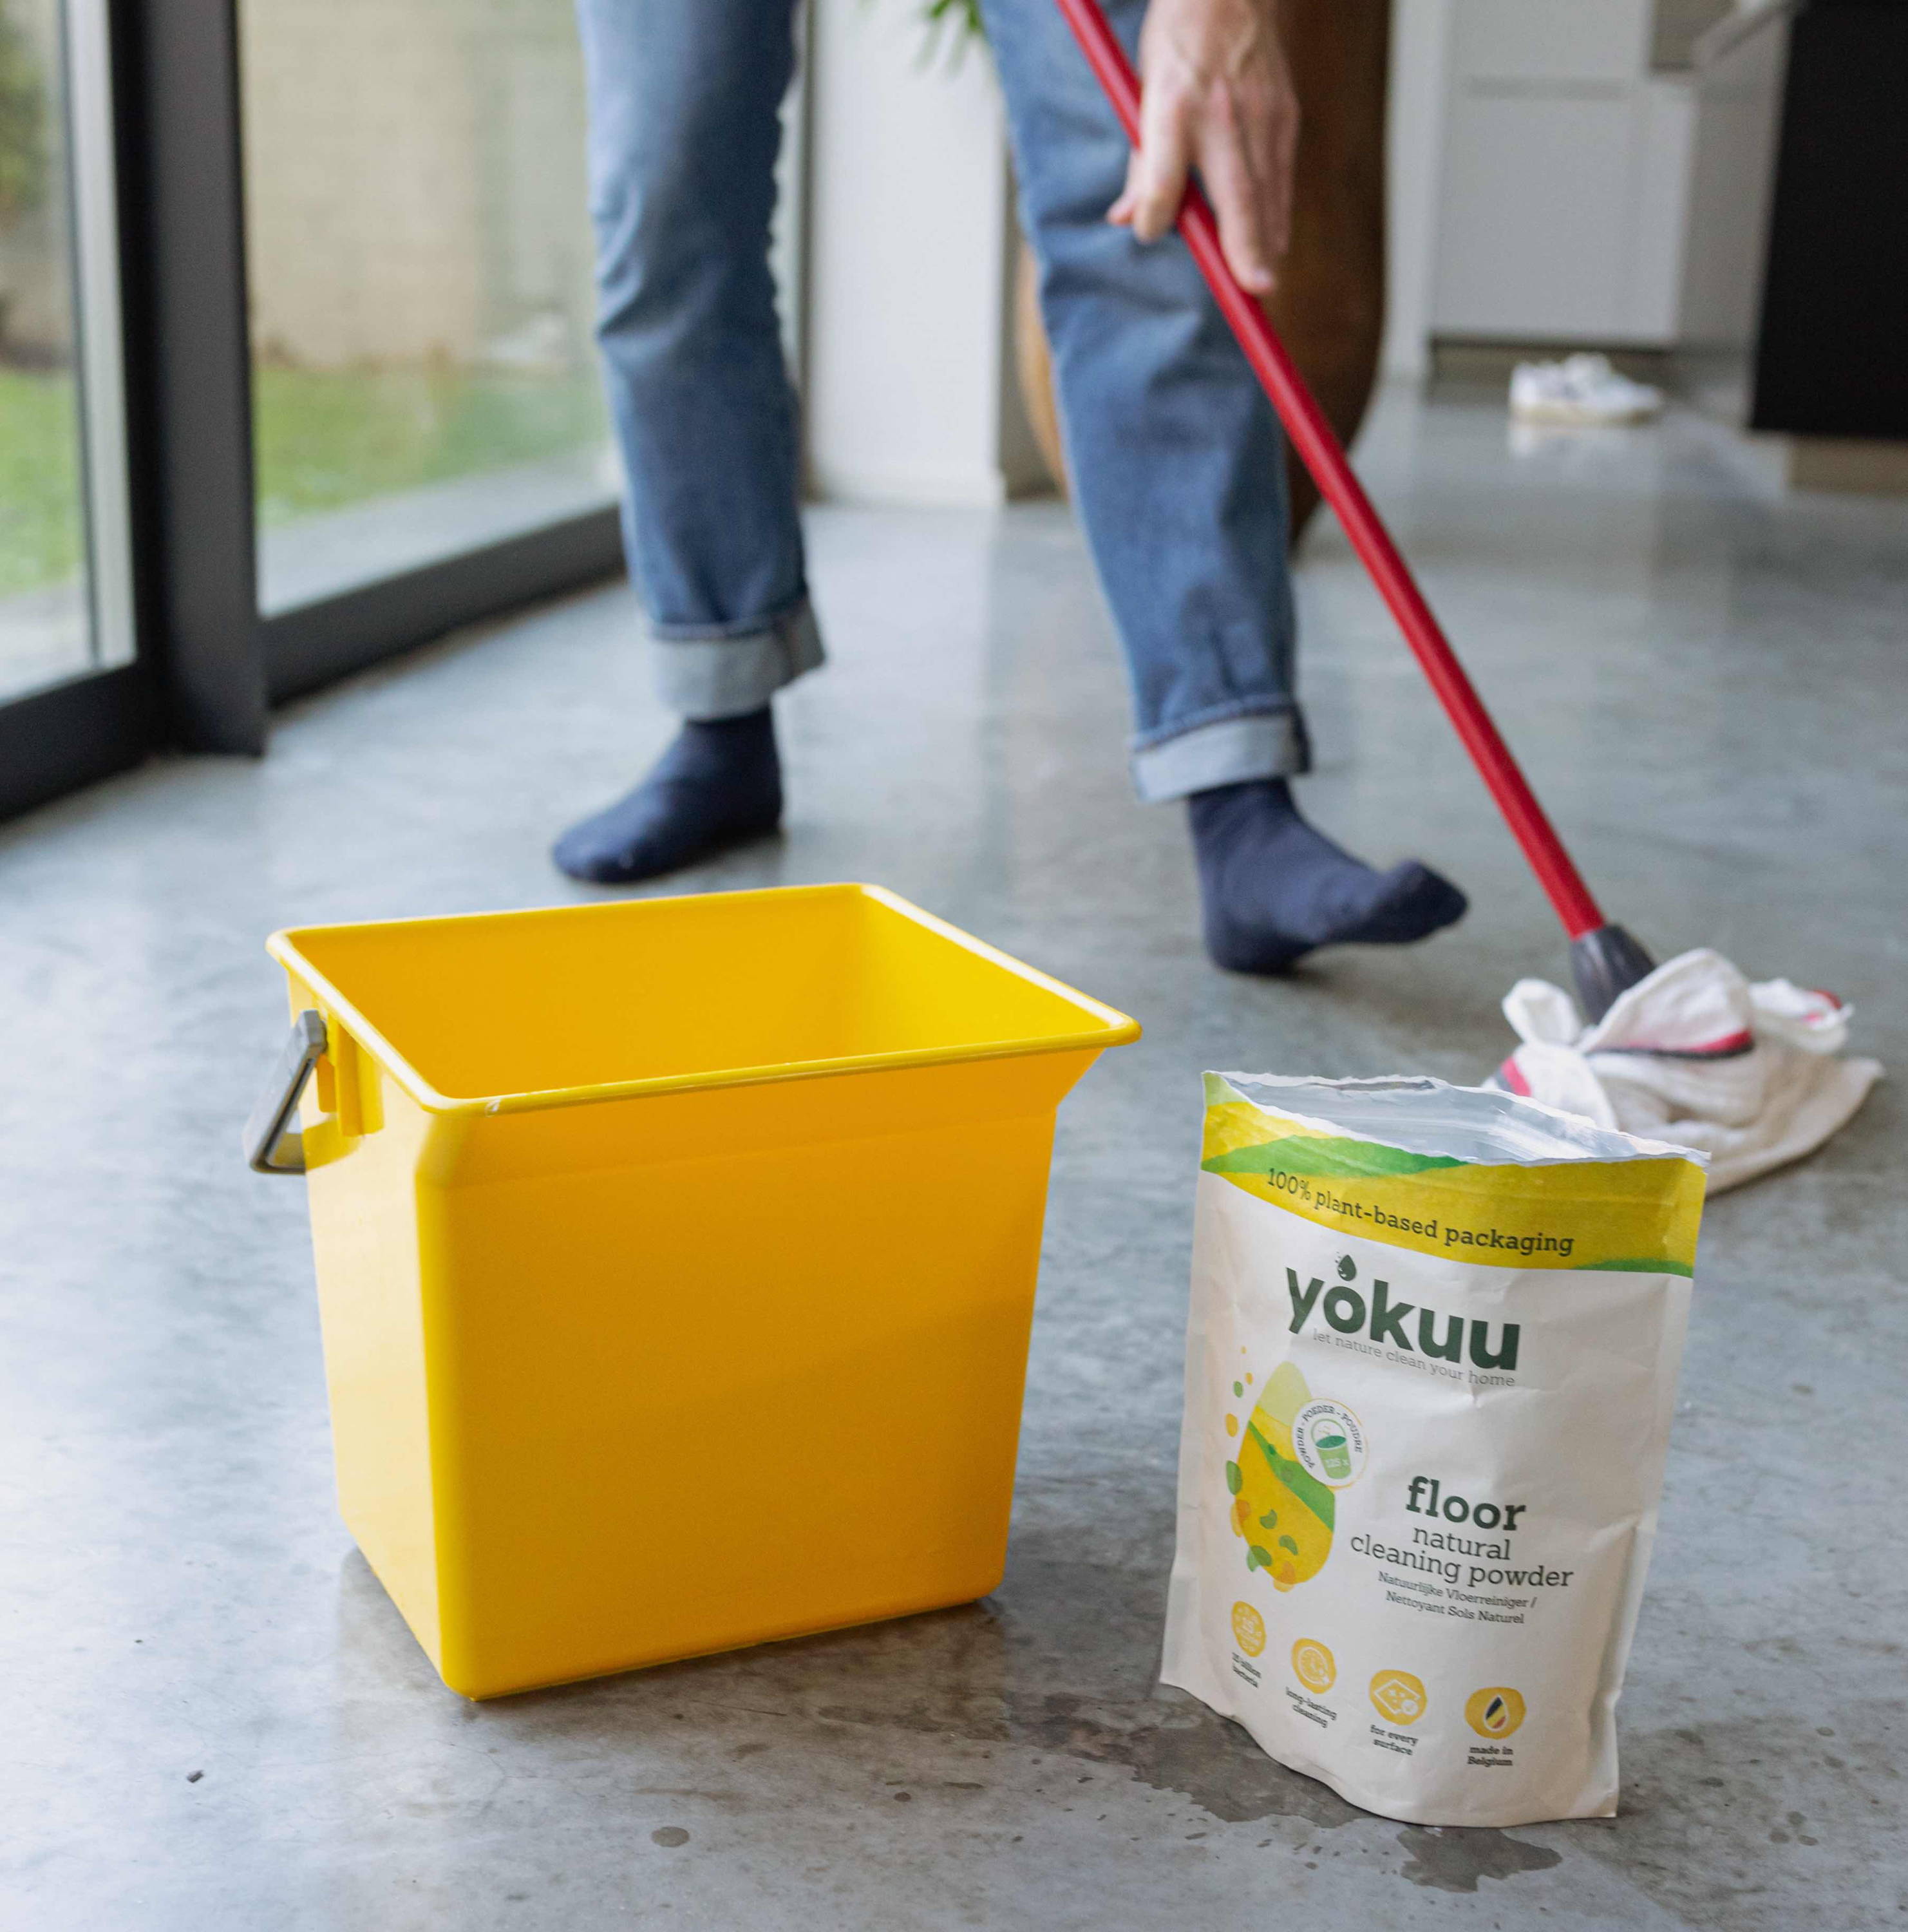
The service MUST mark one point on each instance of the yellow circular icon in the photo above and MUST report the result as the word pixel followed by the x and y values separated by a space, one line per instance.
pixel 1398 1695
pixel 1494 1711
pixel 1313 1665
pixel 1249 1626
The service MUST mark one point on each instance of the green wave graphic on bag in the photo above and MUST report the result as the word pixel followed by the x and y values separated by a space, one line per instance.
pixel 1430 1363
pixel 1284 1514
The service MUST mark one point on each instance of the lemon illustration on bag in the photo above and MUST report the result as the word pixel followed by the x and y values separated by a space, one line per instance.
pixel 1285 1514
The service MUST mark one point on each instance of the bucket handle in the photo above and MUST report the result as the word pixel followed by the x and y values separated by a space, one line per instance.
pixel 269 1133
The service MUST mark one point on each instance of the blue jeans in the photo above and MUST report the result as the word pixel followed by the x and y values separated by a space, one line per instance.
pixel 1175 454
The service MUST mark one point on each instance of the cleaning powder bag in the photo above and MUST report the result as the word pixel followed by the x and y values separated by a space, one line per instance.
pixel 1429 1370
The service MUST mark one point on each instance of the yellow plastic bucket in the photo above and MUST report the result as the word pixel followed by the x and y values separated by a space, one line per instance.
pixel 675 1259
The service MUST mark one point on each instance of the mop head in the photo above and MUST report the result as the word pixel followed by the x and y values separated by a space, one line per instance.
pixel 1751 1075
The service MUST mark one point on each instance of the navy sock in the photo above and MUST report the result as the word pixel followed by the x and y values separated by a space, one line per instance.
pixel 719 784
pixel 1273 888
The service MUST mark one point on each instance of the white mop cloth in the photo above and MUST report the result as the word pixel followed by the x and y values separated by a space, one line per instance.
pixel 1752 1075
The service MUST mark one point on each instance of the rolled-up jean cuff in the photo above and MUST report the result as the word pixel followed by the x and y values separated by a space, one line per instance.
pixel 709 674
pixel 1230 751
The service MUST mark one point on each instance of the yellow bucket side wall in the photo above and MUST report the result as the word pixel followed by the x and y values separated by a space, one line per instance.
pixel 560 1459
pixel 366 1243
pixel 705 1402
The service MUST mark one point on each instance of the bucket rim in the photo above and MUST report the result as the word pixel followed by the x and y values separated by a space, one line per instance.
pixel 1110 1027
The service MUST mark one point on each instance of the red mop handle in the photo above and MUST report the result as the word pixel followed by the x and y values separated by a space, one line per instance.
pixel 1324 456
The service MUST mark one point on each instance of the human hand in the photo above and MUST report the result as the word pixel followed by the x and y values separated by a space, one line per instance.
pixel 1217 95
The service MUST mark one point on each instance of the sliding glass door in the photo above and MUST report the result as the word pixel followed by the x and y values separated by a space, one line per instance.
pixel 64 610
pixel 418 263
pixel 296 364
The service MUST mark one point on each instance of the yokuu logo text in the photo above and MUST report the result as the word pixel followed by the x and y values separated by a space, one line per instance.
pixel 1345 1309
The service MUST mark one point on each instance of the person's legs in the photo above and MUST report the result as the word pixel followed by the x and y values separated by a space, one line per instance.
pixel 685 98
pixel 1173 455
pixel 1175 462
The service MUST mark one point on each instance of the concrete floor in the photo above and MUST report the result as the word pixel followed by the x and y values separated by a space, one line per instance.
pixel 212 1717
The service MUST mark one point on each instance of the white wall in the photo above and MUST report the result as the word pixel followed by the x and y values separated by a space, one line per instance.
pixel 1414 141
pixel 1738 113
pixel 1546 185
pixel 1566 171
pixel 910 235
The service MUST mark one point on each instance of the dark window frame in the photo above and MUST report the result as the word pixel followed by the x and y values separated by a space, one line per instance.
pixel 209 665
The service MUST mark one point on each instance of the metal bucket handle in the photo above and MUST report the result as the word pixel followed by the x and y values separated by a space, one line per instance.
pixel 269 1133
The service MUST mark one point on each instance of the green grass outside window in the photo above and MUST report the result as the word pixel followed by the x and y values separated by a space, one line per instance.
pixel 324 440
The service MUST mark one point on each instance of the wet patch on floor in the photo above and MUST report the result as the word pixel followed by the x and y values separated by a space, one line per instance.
pixel 970 1673
pixel 1191 1752
pixel 1188 1749
pixel 1455 1858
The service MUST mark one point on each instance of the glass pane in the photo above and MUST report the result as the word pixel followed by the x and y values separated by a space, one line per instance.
pixel 419 257
pixel 45 627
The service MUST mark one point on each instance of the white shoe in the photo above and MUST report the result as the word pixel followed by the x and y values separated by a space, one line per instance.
pixel 1579 389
